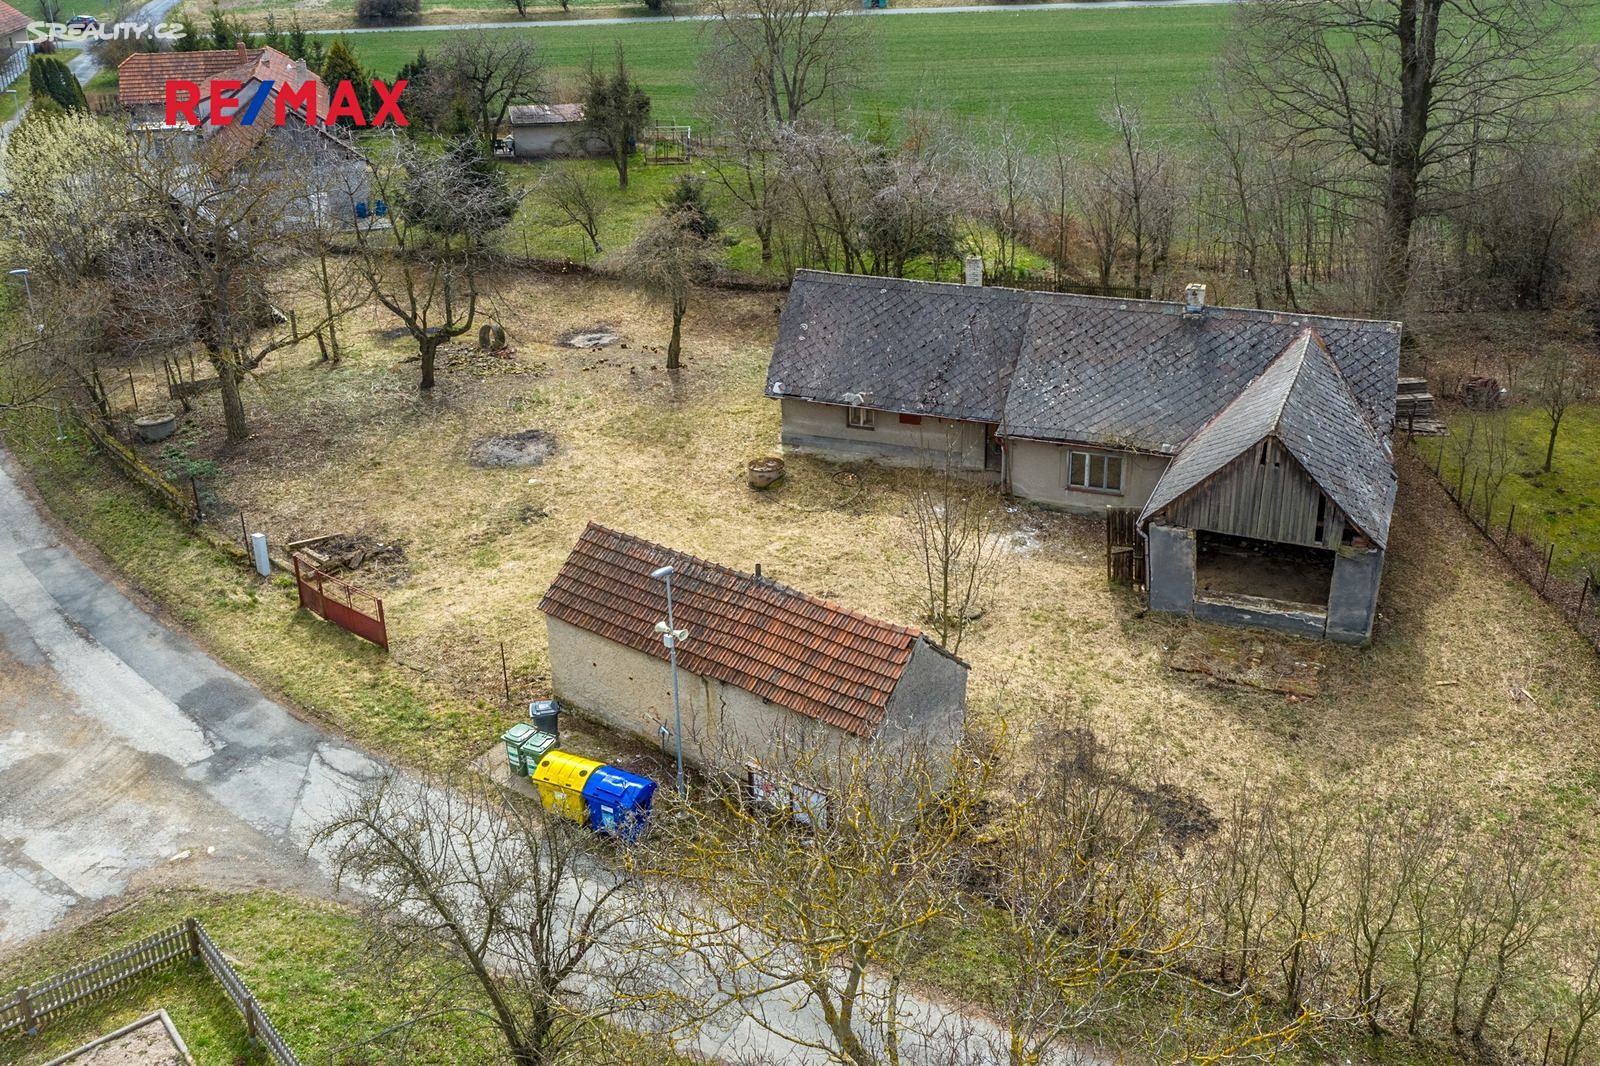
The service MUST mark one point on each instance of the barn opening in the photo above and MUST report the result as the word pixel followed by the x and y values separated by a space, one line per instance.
pixel 1227 566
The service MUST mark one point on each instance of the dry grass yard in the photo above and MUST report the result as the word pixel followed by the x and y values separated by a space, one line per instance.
pixel 1472 686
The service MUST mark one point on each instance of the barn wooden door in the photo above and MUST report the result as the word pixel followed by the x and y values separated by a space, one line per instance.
pixel 1124 558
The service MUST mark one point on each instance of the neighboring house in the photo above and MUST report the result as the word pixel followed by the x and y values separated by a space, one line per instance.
pixel 766 672
pixel 328 176
pixel 1085 403
pixel 546 131
pixel 14 44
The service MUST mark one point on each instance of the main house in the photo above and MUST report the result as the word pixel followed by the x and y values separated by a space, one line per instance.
pixel 767 672
pixel 1253 445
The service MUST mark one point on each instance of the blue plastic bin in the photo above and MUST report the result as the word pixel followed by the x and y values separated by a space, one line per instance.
pixel 619 802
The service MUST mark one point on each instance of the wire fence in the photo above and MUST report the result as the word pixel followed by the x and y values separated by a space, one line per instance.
pixel 31 1006
pixel 1562 579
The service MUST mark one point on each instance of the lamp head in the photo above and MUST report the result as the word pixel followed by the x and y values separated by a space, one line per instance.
pixel 662 573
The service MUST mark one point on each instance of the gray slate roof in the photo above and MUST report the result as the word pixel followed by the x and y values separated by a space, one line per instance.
pixel 1136 374
pixel 1302 399
pixel 544 114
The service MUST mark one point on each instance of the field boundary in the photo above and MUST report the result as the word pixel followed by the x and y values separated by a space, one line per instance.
pixel 30 1006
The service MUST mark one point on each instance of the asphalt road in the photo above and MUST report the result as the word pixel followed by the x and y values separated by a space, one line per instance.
pixel 128 755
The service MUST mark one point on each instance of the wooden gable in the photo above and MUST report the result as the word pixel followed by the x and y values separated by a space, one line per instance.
pixel 1266 494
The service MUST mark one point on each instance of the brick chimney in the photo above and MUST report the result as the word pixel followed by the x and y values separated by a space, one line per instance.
pixel 244 53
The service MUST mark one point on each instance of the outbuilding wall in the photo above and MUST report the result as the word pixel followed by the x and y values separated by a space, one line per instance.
pixel 723 726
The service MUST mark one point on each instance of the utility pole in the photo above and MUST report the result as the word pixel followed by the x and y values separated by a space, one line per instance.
pixel 672 636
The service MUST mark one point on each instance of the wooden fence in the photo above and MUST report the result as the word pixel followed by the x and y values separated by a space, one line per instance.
pixel 31 1006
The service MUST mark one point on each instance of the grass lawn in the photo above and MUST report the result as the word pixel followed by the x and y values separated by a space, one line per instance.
pixel 11 102
pixel 304 961
pixel 1053 70
pixel 1563 505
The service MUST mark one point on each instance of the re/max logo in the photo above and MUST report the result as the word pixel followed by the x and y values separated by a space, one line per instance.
pixel 227 108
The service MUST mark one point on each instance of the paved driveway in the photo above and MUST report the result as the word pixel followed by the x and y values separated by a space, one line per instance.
pixel 128 754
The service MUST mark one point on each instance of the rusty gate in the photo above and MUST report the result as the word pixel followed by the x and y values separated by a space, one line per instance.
pixel 341 603
pixel 1124 556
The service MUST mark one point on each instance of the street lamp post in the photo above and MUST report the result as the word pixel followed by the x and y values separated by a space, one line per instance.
pixel 672 636
pixel 27 286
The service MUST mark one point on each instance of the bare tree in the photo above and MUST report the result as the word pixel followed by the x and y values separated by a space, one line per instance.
pixel 788 56
pixel 668 259
pixel 834 912
pixel 1411 88
pixel 485 73
pixel 201 255
pixel 572 198
pixel 424 266
pixel 535 922
pixel 1144 176
pixel 1091 904
pixel 1004 184
pixel 1563 380
pixel 1106 212
pixel 745 160
pixel 954 524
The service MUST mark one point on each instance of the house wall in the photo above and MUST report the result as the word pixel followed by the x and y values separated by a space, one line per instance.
pixel 929 706
pixel 1353 594
pixel 1170 569
pixel 1038 472
pixel 1265 494
pixel 820 428
pixel 553 139
pixel 723 726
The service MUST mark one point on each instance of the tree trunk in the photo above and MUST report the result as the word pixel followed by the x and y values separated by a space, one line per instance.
pixel 620 157
pixel 429 347
pixel 675 345
pixel 1550 449
pixel 232 402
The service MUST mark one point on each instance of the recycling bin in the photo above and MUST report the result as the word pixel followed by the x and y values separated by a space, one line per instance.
pixel 619 802
pixel 560 777
pixel 514 739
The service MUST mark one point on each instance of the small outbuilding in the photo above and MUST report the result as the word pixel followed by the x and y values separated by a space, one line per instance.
pixel 767 672
pixel 549 131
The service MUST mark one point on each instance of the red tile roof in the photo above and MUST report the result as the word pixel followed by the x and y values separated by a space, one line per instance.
pixel 142 77
pixel 12 20
pixel 800 652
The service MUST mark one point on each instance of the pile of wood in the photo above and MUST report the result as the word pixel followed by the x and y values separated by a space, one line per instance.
pixel 1482 394
pixel 1413 409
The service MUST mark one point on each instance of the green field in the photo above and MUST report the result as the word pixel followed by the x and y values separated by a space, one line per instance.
pixel 1054 71
pixel 1562 506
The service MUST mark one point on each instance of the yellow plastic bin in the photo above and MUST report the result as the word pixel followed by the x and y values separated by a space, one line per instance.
pixel 560 778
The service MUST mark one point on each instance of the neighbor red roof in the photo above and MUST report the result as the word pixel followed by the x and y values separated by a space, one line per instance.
pixel 12 20
pixel 800 652
pixel 142 77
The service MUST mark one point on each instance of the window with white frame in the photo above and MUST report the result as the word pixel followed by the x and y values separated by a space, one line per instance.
pixel 860 418
pixel 1095 471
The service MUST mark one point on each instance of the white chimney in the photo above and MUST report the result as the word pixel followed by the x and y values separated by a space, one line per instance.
pixel 1194 299
pixel 974 270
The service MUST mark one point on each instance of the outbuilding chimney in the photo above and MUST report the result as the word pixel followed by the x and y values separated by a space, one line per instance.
pixel 1194 299
pixel 973 270
pixel 243 52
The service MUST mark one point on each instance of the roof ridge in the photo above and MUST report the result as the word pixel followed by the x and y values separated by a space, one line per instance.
pixel 764 581
pixel 1296 318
